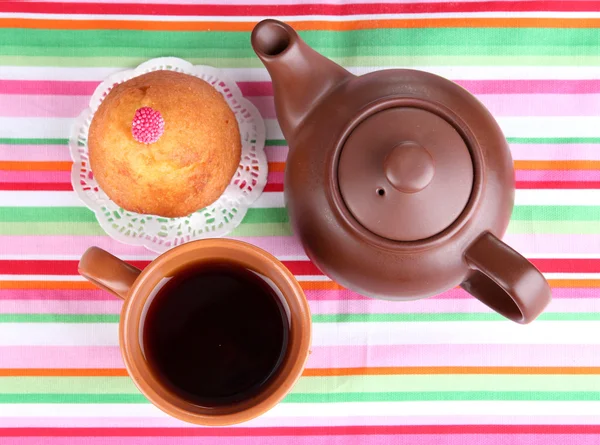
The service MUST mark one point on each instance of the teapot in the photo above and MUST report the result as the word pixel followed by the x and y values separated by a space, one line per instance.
pixel 399 183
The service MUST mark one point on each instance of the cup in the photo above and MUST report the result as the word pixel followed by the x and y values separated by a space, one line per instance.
pixel 136 287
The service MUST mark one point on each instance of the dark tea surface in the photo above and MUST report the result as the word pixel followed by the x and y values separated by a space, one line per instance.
pixel 215 333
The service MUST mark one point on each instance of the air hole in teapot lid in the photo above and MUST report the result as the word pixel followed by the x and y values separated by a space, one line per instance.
pixel 417 161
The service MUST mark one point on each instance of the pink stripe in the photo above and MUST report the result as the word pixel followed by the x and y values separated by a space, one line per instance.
pixel 498 104
pixel 34 153
pixel 13 105
pixel 327 298
pixel 113 305
pixel 542 104
pixel 264 2
pixel 42 106
pixel 37 357
pixel 35 176
pixel 434 306
pixel 266 421
pixel 479 87
pixel 527 244
pixel 76 245
pixel 41 295
pixel 453 355
pixel 265 105
pixel 108 306
pixel 453 294
pixel 278 154
pixel 549 244
pixel 277 177
pixel 555 152
pixel 557 175
pixel 421 439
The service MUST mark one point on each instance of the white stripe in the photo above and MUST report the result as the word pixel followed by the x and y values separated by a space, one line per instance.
pixel 59 334
pixel 567 197
pixel 372 409
pixel 521 126
pixel 306 18
pixel 339 334
pixel 127 257
pixel 261 74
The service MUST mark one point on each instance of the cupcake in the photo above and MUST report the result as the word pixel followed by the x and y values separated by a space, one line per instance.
pixel 164 143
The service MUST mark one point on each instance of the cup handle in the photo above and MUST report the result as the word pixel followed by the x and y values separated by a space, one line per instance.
pixel 107 271
pixel 505 281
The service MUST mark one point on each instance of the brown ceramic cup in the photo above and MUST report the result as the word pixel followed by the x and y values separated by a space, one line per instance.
pixel 135 287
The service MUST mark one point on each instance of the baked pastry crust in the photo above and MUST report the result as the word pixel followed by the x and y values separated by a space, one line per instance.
pixel 189 166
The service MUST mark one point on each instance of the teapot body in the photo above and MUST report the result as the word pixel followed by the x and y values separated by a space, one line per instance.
pixel 348 252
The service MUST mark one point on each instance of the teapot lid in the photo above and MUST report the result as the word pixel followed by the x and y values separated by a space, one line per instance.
pixel 405 173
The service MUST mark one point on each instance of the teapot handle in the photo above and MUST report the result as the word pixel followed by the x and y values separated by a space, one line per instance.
pixel 505 281
pixel 107 271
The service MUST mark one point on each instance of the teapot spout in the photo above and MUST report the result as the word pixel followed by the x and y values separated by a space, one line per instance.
pixel 301 76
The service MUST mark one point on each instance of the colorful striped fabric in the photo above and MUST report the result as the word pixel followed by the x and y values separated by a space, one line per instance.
pixel 442 370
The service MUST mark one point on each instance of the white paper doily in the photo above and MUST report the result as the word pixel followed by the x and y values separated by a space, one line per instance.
pixel 160 234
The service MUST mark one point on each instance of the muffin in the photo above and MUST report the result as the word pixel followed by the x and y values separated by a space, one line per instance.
pixel 164 143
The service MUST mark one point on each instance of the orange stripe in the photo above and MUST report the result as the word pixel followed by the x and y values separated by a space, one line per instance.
pixel 280 166
pixel 574 283
pixel 330 372
pixel 303 25
pixel 306 285
pixel 91 372
pixel 557 165
pixel 36 166
pixel 66 166
pixel 52 285
pixel 326 372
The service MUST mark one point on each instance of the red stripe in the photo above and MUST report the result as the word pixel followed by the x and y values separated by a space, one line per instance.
pixel 558 184
pixel 568 265
pixel 300 431
pixel 86 88
pixel 69 267
pixel 273 187
pixel 296 10
pixel 28 186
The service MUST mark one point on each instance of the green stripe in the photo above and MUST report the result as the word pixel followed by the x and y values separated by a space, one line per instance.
pixel 83 214
pixel 502 39
pixel 396 47
pixel 67 385
pixel 550 396
pixel 553 140
pixel 59 318
pixel 282 142
pixel 38 141
pixel 556 227
pixel 93 228
pixel 556 213
pixel 355 61
pixel 330 384
pixel 540 214
pixel 320 318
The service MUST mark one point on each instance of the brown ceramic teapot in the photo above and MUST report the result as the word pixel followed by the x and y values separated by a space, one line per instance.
pixel 399 183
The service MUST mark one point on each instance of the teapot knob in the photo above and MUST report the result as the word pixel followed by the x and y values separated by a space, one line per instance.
pixel 409 167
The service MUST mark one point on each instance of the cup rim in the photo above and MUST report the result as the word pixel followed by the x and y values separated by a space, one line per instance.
pixel 278 386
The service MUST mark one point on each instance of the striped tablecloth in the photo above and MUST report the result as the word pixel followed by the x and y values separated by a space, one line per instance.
pixel 443 370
